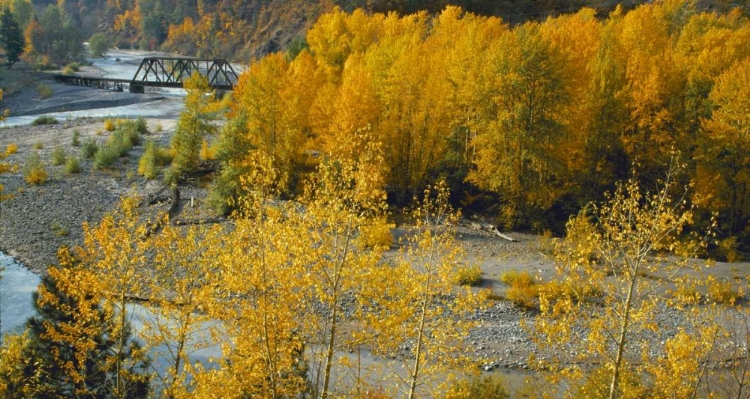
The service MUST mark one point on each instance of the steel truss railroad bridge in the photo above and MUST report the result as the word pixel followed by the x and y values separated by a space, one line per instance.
pixel 168 72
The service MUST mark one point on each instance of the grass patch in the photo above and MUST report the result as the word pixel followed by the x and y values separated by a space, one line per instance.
pixel 75 141
pixel 44 91
pixel 90 147
pixel 59 230
pixel 59 156
pixel 11 148
pixel 44 120
pixel 72 166
pixel 38 145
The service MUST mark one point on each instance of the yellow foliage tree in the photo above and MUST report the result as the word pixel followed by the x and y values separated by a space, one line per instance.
pixel 419 308
pixel 616 249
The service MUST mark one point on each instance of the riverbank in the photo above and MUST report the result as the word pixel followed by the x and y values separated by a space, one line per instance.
pixel 28 92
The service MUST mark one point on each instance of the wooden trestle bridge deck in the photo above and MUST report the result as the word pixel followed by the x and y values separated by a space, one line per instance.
pixel 170 72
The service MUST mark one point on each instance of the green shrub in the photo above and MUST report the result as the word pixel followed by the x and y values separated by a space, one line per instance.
pixel 141 125
pixel 59 156
pixel 72 166
pixel 98 44
pixel 120 141
pixel 106 156
pixel 76 140
pixel 150 163
pixel 44 120
pixel 471 275
pixel 89 149
pixel 131 131
pixel 34 171
pixel 38 145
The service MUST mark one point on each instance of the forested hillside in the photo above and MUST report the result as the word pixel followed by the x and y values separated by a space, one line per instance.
pixel 247 29
pixel 543 116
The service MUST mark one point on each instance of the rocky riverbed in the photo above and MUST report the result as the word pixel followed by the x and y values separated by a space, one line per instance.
pixel 39 219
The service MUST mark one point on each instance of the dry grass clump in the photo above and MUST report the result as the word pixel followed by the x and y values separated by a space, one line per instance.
pixel 523 289
pixel 377 235
pixel 470 275
pixel 722 292
pixel 34 171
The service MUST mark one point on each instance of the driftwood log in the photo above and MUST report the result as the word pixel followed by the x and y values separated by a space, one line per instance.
pixel 492 229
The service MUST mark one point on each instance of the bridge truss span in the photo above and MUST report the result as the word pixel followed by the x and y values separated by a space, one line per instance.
pixel 173 71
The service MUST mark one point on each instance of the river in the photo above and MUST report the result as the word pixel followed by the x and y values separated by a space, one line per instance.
pixel 121 64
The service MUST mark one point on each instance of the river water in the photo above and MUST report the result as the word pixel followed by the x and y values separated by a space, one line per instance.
pixel 168 107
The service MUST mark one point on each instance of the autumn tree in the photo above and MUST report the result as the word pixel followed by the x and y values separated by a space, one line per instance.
pixel 11 36
pixel 193 126
pixel 344 197
pixel 420 308
pixel 177 322
pixel 261 301
pixel 78 348
pixel 722 172
pixel 517 151
pixel 115 252
pixel 622 250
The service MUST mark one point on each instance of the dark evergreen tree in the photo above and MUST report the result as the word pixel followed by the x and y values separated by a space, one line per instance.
pixel 11 37
pixel 65 367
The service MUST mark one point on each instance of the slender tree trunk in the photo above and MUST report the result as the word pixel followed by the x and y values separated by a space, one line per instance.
pixel 621 340
pixel 418 353
pixel 119 391
pixel 331 340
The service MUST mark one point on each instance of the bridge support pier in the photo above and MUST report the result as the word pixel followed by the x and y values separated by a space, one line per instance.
pixel 137 89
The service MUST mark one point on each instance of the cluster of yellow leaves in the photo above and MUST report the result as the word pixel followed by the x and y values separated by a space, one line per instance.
pixel 533 112
pixel 615 248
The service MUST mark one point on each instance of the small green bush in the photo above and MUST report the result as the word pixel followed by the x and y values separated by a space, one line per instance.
pixel 141 125
pixel 44 120
pixel 72 166
pixel 75 141
pixel 149 165
pixel 38 145
pixel 89 149
pixel 106 156
pixel 130 130
pixel 59 156
pixel 34 171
